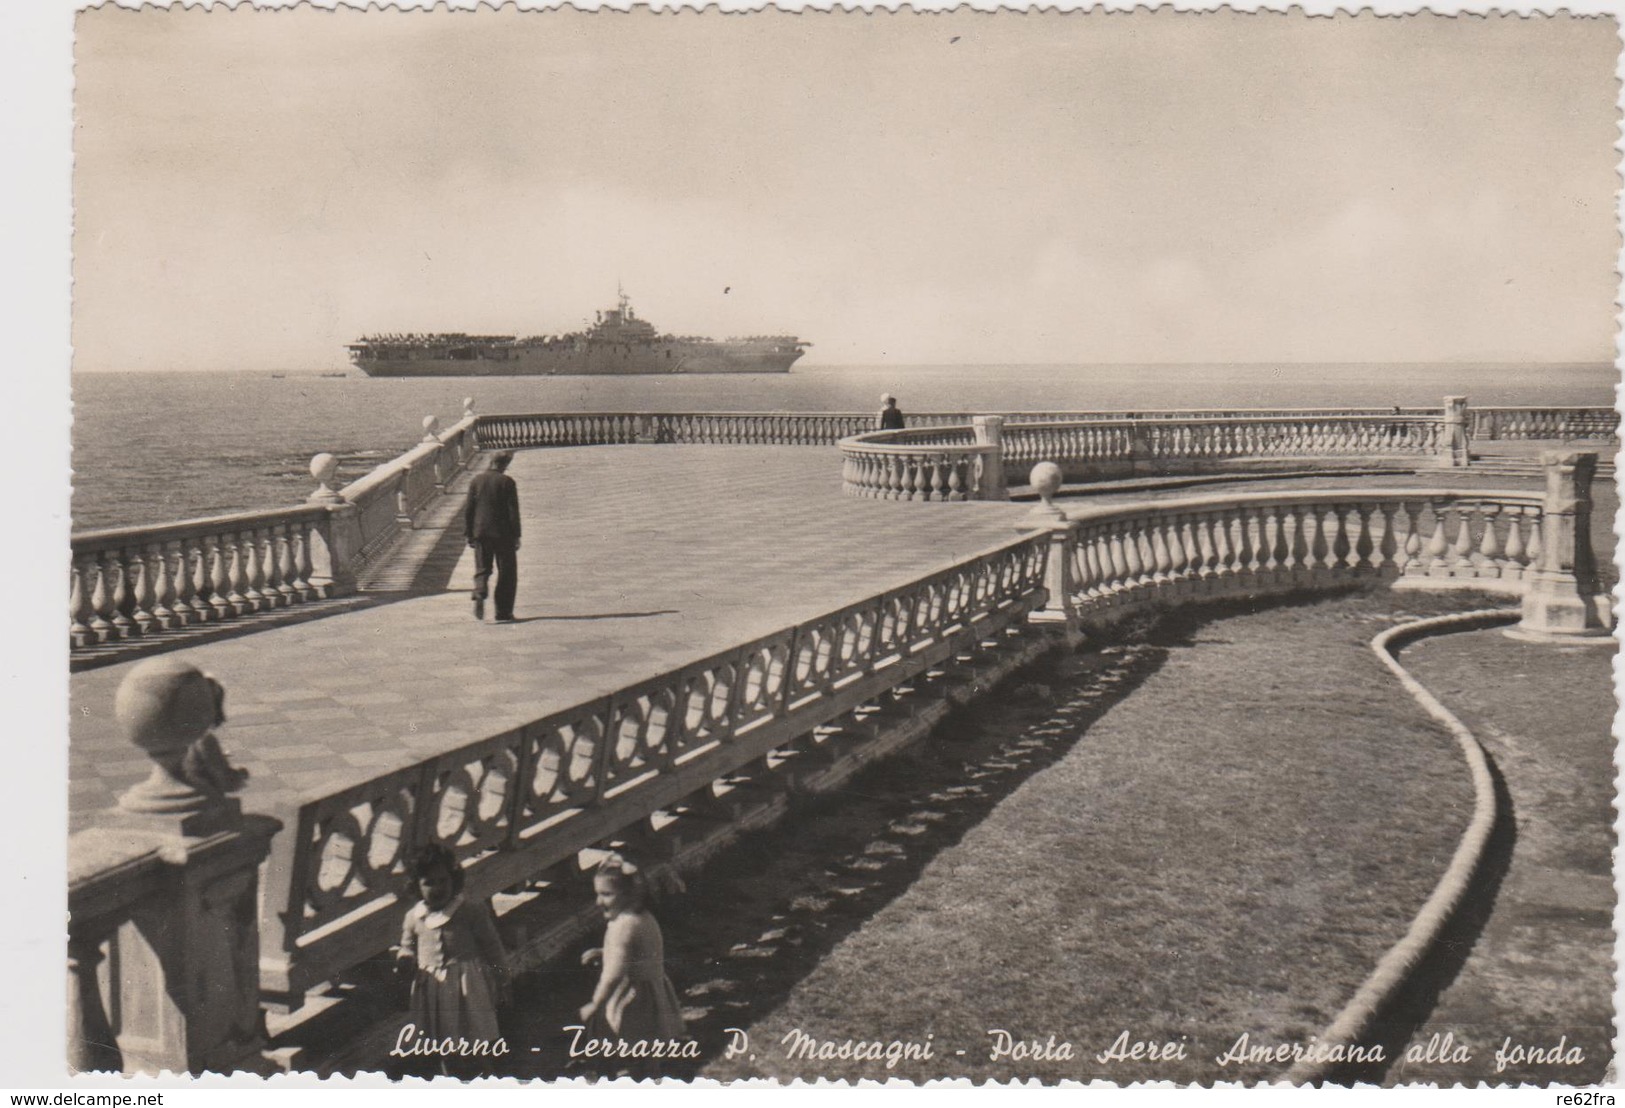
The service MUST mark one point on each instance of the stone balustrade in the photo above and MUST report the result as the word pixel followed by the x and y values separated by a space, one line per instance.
pixel 131 583
pixel 1110 561
pixel 924 463
pixel 1428 538
pixel 134 582
pixel 163 893
pixel 951 462
pixel 1565 424
pixel 545 429
pixel 1103 449
pixel 515 804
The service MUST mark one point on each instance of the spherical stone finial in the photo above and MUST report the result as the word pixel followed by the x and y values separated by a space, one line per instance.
pixel 169 709
pixel 1046 479
pixel 431 427
pixel 165 705
pixel 324 468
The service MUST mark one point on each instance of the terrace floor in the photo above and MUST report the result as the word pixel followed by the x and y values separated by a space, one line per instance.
pixel 637 559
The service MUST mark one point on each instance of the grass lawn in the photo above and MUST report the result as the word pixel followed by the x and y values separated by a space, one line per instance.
pixel 1540 971
pixel 1226 850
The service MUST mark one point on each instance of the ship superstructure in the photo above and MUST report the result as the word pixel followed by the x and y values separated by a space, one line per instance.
pixel 618 342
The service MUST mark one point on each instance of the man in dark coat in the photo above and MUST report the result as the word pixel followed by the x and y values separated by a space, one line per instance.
pixel 891 416
pixel 491 526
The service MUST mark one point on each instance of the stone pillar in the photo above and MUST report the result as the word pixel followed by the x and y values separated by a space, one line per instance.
pixel 1453 436
pixel 1560 601
pixel 335 541
pixel 179 891
pixel 1057 609
pixel 989 431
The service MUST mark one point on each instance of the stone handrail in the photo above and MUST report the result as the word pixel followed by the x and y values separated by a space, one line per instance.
pixel 885 465
pixel 542 429
pixel 518 803
pixel 1429 538
pixel 388 498
pixel 1546 423
pixel 1100 449
pixel 948 463
pixel 130 583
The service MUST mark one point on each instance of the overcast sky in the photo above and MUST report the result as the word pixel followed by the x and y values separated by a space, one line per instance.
pixel 253 190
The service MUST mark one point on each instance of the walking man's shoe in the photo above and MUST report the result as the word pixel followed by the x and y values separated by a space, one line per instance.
pixel 479 609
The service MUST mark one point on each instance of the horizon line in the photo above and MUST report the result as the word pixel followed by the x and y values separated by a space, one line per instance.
pixel 1617 365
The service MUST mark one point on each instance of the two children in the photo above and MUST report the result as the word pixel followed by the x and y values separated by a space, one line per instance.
pixel 454 957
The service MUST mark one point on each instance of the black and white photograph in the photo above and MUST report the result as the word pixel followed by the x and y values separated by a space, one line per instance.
pixel 719 547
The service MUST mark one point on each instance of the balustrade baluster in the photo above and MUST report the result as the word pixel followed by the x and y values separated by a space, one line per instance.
pixel 1388 541
pixel 1333 540
pixel 1144 553
pixel 202 583
pixel 254 570
pixel 299 539
pixel 185 599
pixel 141 590
pixel 1161 557
pixel 1206 554
pixel 1300 536
pixel 1490 562
pixel 1412 562
pixel 114 570
pixel 1274 545
pixel 1097 559
pixel 1532 553
pixel 1361 548
pixel 79 609
pixel 1187 560
pixel 1224 553
pixel 210 580
pixel 1514 559
pixel 163 590
pixel 1461 551
pixel 1119 575
pixel 91 1042
pixel 1433 554
pixel 1244 534
pixel 101 600
pixel 282 550
pixel 236 577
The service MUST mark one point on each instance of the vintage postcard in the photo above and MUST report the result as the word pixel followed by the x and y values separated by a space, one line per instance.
pixel 991 547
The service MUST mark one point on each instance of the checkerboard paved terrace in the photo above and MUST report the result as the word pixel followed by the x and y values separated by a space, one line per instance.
pixel 635 560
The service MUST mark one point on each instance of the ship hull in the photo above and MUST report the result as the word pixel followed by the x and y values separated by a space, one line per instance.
pixel 583 360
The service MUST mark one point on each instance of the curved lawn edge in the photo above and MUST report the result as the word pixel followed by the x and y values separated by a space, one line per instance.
pixel 1397 967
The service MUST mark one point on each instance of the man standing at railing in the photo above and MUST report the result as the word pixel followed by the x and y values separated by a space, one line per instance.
pixel 491 526
pixel 891 416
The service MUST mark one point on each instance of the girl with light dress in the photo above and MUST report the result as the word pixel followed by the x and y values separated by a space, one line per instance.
pixel 453 954
pixel 634 999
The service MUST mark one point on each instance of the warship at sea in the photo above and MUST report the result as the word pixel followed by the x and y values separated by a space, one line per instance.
pixel 617 343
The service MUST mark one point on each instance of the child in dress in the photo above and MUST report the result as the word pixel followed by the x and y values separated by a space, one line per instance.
pixel 451 950
pixel 634 998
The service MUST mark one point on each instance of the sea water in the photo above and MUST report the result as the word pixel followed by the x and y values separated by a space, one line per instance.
pixel 156 447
